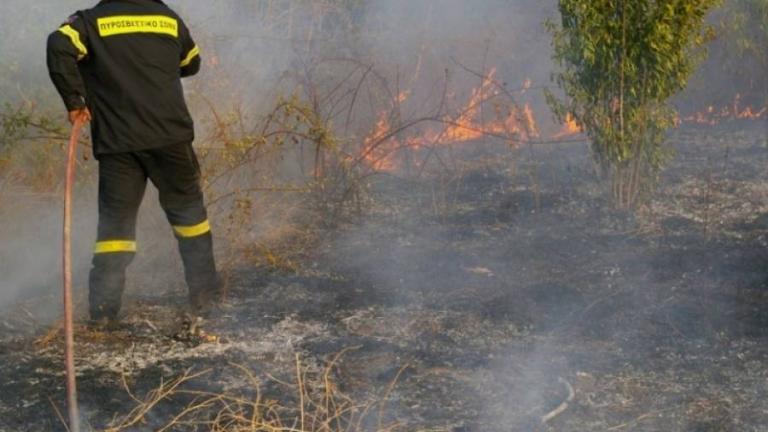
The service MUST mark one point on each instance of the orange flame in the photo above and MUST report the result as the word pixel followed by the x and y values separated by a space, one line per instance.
pixel 570 128
pixel 513 123
pixel 375 145
pixel 467 127
pixel 712 116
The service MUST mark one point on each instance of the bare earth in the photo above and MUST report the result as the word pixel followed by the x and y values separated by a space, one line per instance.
pixel 485 297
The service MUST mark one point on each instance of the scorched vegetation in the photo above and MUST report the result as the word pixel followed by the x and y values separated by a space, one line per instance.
pixel 408 242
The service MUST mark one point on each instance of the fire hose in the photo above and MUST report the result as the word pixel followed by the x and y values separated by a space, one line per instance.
pixel 69 338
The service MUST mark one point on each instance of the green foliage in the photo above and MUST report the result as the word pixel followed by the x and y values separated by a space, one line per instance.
pixel 31 148
pixel 620 61
pixel 18 122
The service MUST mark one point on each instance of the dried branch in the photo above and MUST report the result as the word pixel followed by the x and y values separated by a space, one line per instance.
pixel 563 405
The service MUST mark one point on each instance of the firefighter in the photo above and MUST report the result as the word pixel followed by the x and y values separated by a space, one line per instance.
pixel 119 65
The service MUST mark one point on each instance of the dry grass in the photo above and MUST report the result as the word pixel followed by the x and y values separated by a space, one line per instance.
pixel 319 406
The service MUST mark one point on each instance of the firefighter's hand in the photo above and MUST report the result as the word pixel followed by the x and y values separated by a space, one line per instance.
pixel 83 115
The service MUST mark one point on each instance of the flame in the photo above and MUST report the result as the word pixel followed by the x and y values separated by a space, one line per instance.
pixel 469 127
pixel 712 116
pixel 515 123
pixel 570 128
pixel 378 146
pixel 375 145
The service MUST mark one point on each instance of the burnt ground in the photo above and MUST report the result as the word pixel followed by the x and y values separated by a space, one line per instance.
pixel 486 295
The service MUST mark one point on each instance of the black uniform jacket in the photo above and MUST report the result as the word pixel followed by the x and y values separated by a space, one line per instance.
pixel 124 60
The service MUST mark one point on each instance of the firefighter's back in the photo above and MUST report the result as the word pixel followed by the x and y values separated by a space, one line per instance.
pixel 135 52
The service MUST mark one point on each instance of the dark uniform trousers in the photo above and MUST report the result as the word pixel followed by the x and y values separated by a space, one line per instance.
pixel 175 172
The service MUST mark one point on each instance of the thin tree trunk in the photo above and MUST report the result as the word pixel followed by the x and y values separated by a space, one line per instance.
pixel 622 70
pixel 618 111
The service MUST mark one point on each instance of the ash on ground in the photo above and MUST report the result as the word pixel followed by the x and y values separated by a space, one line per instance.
pixel 485 296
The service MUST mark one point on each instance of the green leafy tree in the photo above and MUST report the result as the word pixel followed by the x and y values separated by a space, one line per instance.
pixel 619 63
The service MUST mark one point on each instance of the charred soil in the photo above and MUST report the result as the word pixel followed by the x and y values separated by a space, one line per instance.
pixel 490 297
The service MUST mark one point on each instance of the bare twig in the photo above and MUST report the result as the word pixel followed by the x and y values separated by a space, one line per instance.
pixel 638 419
pixel 563 406
pixel 300 380
pixel 58 413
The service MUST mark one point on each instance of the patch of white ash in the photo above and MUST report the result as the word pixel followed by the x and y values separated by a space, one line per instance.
pixel 278 343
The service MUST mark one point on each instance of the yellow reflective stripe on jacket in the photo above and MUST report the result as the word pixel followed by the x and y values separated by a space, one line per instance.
pixel 194 52
pixel 112 246
pixel 192 231
pixel 74 36
pixel 125 24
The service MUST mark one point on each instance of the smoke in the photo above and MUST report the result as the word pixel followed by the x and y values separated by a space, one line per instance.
pixel 487 239
pixel 254 51
pixel 30 258
pixel 30 235
pixel 501 34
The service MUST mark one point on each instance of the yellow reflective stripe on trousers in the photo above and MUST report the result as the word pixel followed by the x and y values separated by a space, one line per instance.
pixel 192 231
pixel 74 36
pixel 127 24
pixel 194 52
pixel 113 246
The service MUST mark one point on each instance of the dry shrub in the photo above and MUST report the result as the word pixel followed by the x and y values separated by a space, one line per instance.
pixel 32 150
pixel 318 406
